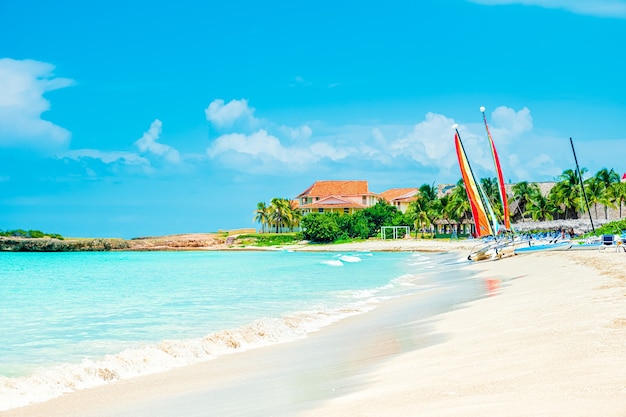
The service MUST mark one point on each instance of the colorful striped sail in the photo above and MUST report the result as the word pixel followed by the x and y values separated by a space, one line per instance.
pixel 496 161
pixel 479 211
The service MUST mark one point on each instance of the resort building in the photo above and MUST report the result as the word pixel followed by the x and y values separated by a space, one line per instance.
pixel 336 196
pixel 400 198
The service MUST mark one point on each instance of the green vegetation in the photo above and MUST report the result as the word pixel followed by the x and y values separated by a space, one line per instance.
pixel 564 201
pixel 567 200
pixel 611 228
pixel 332 227
pixel 268 239
pixel 32 234
pixel 279 216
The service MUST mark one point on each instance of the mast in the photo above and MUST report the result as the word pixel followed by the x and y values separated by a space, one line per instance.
pixel 580 178
pixel 502 189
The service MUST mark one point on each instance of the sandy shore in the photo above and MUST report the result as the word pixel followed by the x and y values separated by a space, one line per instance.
pixel 425 245
pixel 550 341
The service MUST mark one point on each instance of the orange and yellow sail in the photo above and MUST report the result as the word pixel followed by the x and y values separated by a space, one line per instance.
pixel 496 161
pixel 479 210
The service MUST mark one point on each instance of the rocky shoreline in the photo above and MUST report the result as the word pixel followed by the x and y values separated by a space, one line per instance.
pixel 174 242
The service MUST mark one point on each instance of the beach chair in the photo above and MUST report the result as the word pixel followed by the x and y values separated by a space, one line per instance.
pixel 612 242
pixel 607 240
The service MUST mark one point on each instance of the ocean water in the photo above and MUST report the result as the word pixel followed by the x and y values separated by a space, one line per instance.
pixel 71 321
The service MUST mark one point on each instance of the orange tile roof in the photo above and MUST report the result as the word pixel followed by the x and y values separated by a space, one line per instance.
pixel 332 202
pixel 406 194
pixel 328 188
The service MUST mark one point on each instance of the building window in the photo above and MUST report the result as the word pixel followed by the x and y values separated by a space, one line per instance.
pixel 320 210
pixel 346 210
pixel 364 200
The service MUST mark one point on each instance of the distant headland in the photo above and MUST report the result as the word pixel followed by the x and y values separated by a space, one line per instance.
pixel 194 241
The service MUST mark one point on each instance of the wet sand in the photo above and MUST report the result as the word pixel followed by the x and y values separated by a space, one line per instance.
pixel 550 341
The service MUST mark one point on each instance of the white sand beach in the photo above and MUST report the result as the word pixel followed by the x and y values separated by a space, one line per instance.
pixel 549 341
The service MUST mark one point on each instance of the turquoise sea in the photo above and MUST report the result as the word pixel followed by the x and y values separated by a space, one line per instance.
pixel 71 321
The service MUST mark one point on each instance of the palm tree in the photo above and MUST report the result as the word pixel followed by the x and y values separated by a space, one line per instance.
pixel 567 193
pixel 594 190
pixel 437 210
pixel 522 193
pixel 541 207
pixel 607 178
pixel 617 193
pixel 429 202
pixel 262 215
pixel 280 213
pixel 428 192
pixel 418 210
pixel 422 222
pixel 295 215
pixel 458 205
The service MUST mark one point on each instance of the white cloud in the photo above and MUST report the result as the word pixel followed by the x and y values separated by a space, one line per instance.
pixel 379 137
pixel 598 8
pixel 300 133
pixel 148 143
pixel 227 115
pixel 23 84
pixel 533 167
pixel 123 161
pixel 506 125
pixel 265 153
pixel 326 150
pixel 115 163
pixel 514 123
pixel 128 158
pixel 259 143
pixel 429 142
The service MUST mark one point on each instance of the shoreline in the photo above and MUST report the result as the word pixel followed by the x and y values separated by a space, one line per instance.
pixel 214 242
pixel 549 342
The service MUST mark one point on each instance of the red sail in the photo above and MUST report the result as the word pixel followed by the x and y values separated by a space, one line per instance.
pixel 479 213
pixel 496 161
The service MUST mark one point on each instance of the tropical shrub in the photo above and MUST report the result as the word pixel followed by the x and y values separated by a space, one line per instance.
pixel 321 227
pixel 611 228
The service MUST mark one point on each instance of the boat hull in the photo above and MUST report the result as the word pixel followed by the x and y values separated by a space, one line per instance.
pixel 586 246
pixel 544 247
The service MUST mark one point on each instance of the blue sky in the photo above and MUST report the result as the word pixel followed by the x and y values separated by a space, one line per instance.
pixel 126 119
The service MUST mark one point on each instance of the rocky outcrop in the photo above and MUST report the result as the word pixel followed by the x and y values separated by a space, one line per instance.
pixel 177 242
pixel 194 241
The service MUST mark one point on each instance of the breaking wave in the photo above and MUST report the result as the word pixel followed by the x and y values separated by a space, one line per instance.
pixel 49 383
